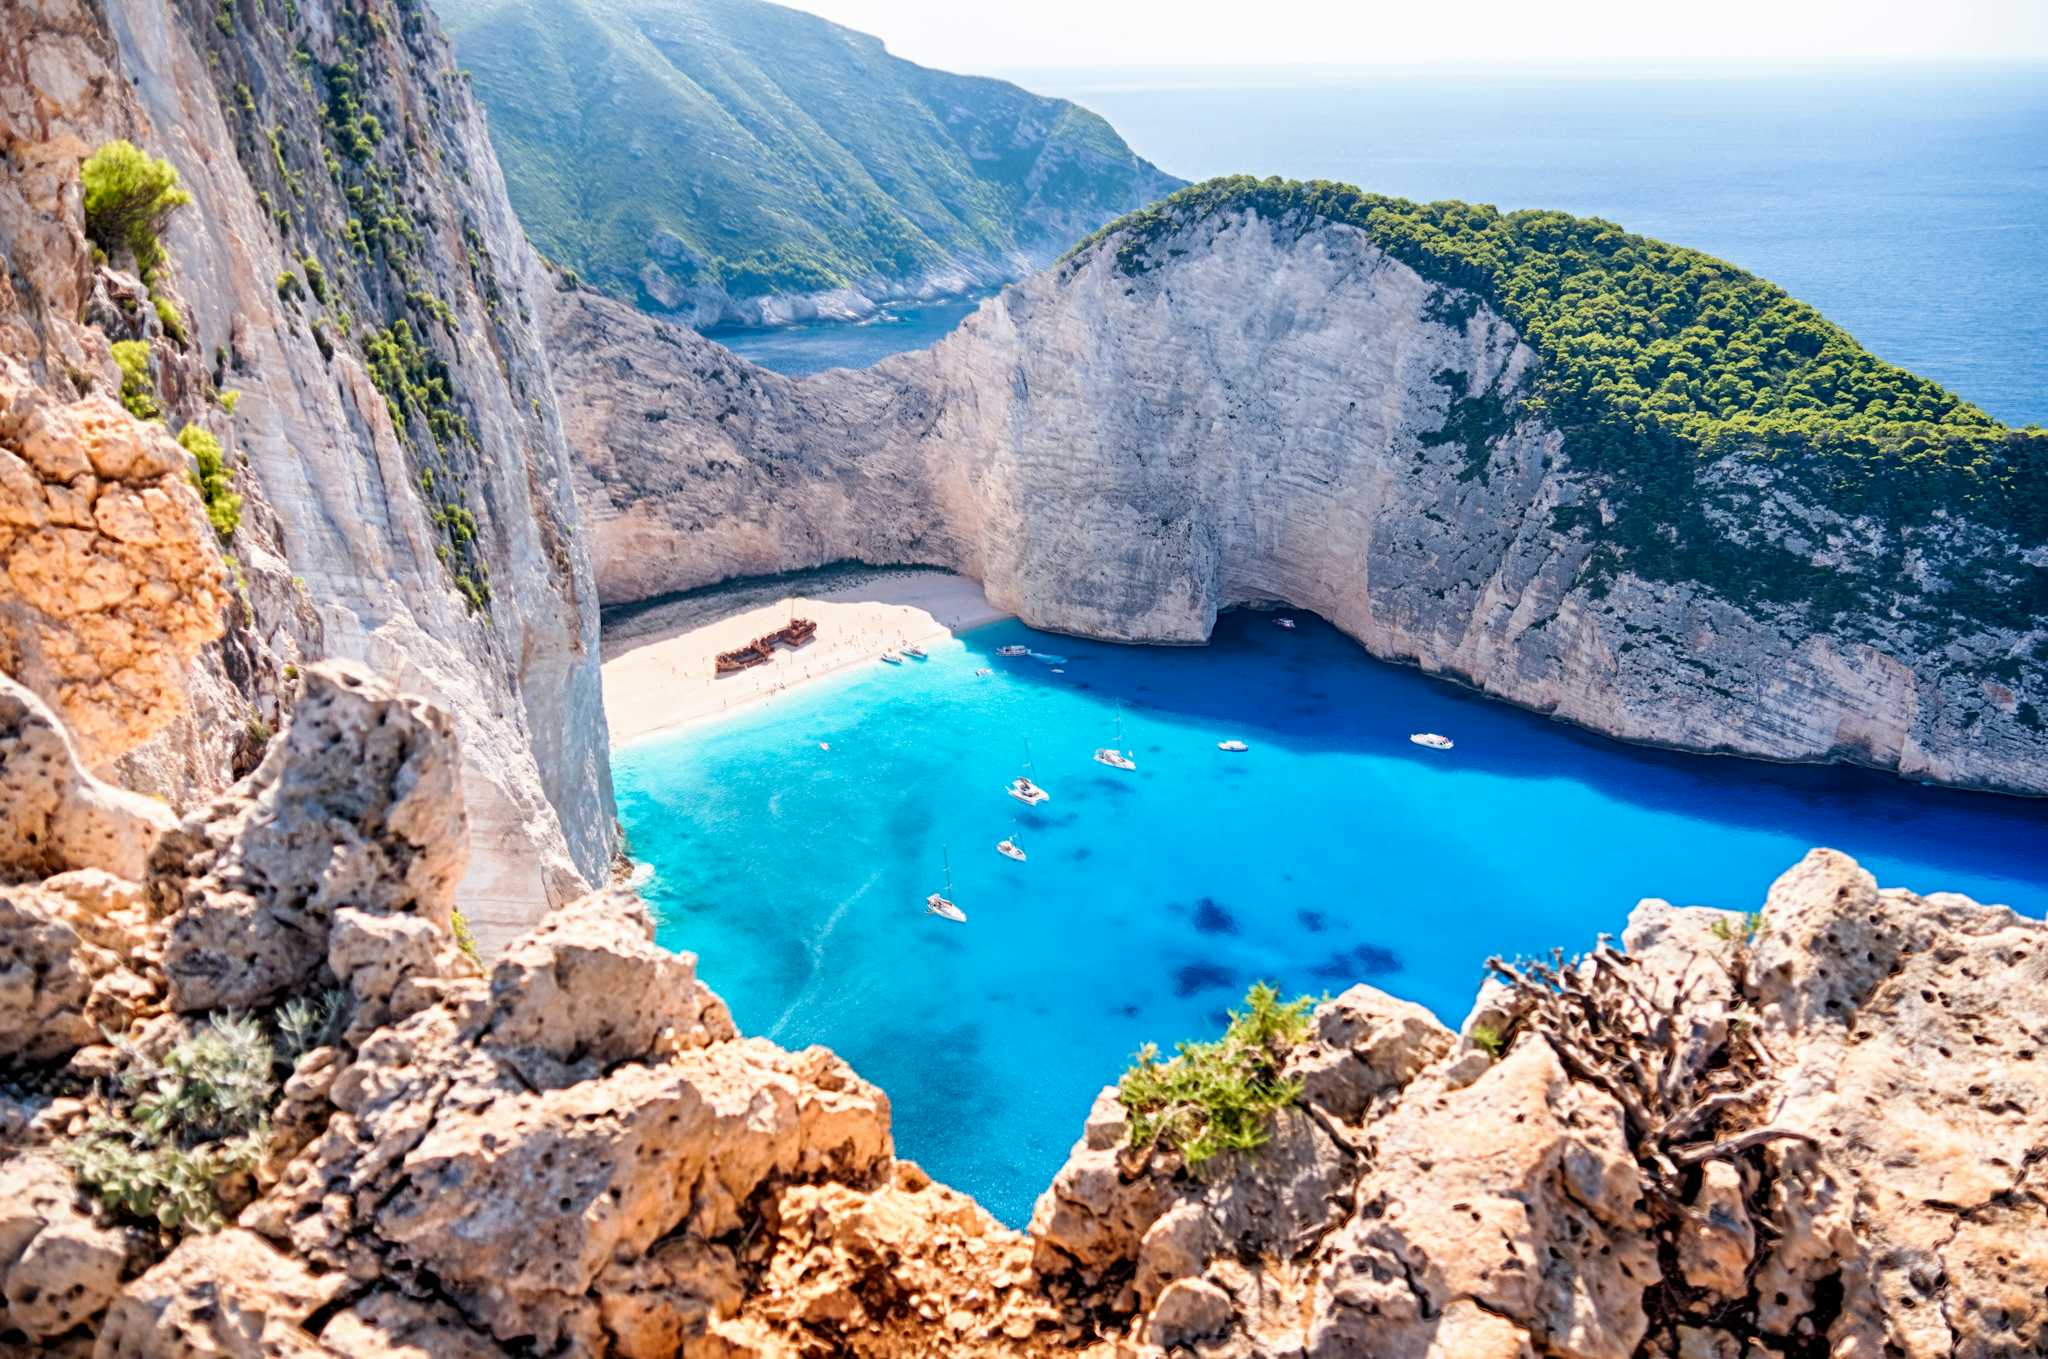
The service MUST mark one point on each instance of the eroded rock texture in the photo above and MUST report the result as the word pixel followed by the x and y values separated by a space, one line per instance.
pixel 1279 410
pixel 114 581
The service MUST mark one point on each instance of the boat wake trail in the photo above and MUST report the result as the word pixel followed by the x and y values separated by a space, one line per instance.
pixel 816 945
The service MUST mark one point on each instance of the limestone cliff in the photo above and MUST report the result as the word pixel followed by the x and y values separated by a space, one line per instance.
pixel 349 307
pixel 1239 405
pixel 1814 1131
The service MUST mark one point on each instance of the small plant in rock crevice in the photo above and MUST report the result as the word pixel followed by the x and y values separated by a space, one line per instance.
pixel 1219 1096
pixel 138 388
pixel 210 476
pixel 181 1126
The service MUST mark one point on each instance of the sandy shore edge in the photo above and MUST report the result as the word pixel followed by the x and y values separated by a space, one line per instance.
pixel 657 662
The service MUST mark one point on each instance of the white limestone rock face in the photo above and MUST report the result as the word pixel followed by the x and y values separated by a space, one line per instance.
pixel 1272 412
pixel 349 544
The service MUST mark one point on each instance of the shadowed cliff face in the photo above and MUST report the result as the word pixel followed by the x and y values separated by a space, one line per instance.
pixel 1265 414
pixel 350 268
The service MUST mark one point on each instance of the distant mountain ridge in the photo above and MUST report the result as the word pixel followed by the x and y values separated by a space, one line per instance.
pixel 732 160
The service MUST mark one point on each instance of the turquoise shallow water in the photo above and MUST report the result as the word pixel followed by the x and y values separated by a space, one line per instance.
pixel 1333 851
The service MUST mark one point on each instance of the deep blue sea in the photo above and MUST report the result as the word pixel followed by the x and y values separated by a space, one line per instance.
pixel 1333 851
pixel 1908 204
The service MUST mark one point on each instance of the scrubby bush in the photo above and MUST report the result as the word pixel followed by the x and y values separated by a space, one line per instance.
pixel 316 277
pixel 210 476
pixel 188 1121
pixel 138 388
pixel 168 316
pixel 129 195
pixel 1219 1096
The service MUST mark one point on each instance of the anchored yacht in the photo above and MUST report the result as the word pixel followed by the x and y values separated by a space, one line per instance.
pixel 1111 755
pixel 1432 740
pixel 1023 789
pixel 941 904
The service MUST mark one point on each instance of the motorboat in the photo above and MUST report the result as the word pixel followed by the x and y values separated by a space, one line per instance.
pixel 1287 623
pixel 1232 746
pixel 914 651
pixel 1009 850
pixel 1013 650
pixel 1111 755
pixel 1432 740
pixel 983 672
pixel 892 657
pixel 941 903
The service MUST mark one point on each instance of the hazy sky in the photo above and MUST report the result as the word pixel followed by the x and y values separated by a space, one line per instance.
pixel 988 35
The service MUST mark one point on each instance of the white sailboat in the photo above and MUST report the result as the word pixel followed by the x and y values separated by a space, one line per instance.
pixel 941 904
pixel 1023 789
pixel 1113 756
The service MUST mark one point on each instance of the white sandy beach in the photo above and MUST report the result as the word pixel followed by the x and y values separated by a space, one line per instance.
pixel 658 674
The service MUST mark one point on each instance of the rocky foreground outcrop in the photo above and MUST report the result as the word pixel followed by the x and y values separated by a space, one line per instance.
pixel 1820 1130
pixel 1266 409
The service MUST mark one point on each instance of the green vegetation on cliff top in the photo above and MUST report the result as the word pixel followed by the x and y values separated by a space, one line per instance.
pixel 1219 1096
pixel 1657 359
pixel 653 146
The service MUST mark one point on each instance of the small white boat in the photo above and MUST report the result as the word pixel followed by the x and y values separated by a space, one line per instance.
pixel 892 657
pixel 941 904
pixel 1013 651
pixel 914 651
pixel 1009 850
pixel 1232 746
pixel 1023 789
pixel 984 672
pixel 1059 670
pixel 1287 623
pixel 1432 740
pixel 1111 755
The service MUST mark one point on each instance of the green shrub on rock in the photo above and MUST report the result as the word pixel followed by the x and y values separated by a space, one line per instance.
pixel 187 1122
pixel 129 195
pixel 210 476
pixel 138 388
pixel 1220 1096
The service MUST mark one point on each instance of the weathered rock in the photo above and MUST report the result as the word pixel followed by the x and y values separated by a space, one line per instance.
pixel 44 981
pixel 224 1296
pixel 58 1267
pixel 53 814
pixel 1716 1243
pixel 358 806
pixel 113 579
